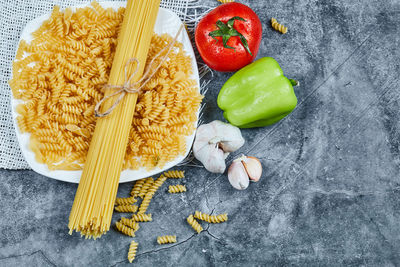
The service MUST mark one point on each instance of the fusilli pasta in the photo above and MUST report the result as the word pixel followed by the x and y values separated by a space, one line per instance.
pixel 165 239
pixel 147 184
pixel 195 224
pixel 126 208
pixel 157 184
pixel 142 217
pixel 145 203
pixel 132 251
pixel 136 188
pixel 125 200
pixel 177 188
pixel 124 229
pixel 211 218
pixel 130 223
pixel 174 174
pixel 278 27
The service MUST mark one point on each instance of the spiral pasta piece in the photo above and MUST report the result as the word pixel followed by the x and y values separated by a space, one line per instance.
pixel 130 223
pixel 142 217
pixel 126 208
pixel 125 229
pixel 174 174
pixel 145 203
pixel 147 184
pixel 165 239
pixel 278 27
pixel 157 184
pixel 125 200
pixel 136 188
pixel 132 251
pixel 211 218
pixel 195 224
pixel 176 188
pixel 226 1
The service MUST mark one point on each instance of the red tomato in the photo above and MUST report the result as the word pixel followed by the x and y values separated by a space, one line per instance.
pixel 240 26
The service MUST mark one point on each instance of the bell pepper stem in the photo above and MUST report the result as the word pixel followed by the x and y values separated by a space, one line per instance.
pixel 294 82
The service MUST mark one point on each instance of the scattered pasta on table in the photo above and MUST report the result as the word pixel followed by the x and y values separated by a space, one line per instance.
pixel 211 218
pixel 126 230
pixel 194 224
pixel 145 203
pixel 226 1
pixel 126 208
pixel 147 184
pixel 278 27
pixel 149 187
pixel 125 200
pixel 132 251
pixel 142 217
pixel 157 184
pixel 174 174
pixel 137 187
pixel 165 239
pixel 173 189
pixel 130 223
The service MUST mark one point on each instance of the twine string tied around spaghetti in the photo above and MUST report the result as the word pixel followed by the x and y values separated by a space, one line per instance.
pixel 130 87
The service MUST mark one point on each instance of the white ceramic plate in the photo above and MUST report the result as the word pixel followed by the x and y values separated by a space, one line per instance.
pixel 167 22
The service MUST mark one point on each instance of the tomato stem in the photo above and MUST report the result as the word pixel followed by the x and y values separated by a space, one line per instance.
pixel 226 31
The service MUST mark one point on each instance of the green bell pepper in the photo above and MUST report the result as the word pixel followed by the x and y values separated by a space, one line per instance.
pixel 257 95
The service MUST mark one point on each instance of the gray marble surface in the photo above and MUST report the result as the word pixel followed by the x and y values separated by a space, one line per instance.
pixel 330 191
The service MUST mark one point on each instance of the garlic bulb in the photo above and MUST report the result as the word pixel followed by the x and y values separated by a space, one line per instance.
pixel 213 143
pixel 243 170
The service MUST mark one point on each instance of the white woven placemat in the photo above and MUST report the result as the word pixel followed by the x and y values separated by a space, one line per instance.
pixel 13 17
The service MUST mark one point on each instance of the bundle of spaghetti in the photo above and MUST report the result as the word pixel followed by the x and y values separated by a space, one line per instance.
pixel 94 200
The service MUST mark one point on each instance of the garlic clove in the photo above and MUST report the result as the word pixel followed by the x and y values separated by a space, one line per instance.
pixel 211 157
pixel 253 168
pixel 231 138
pixel 216 161
pixel 237 175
